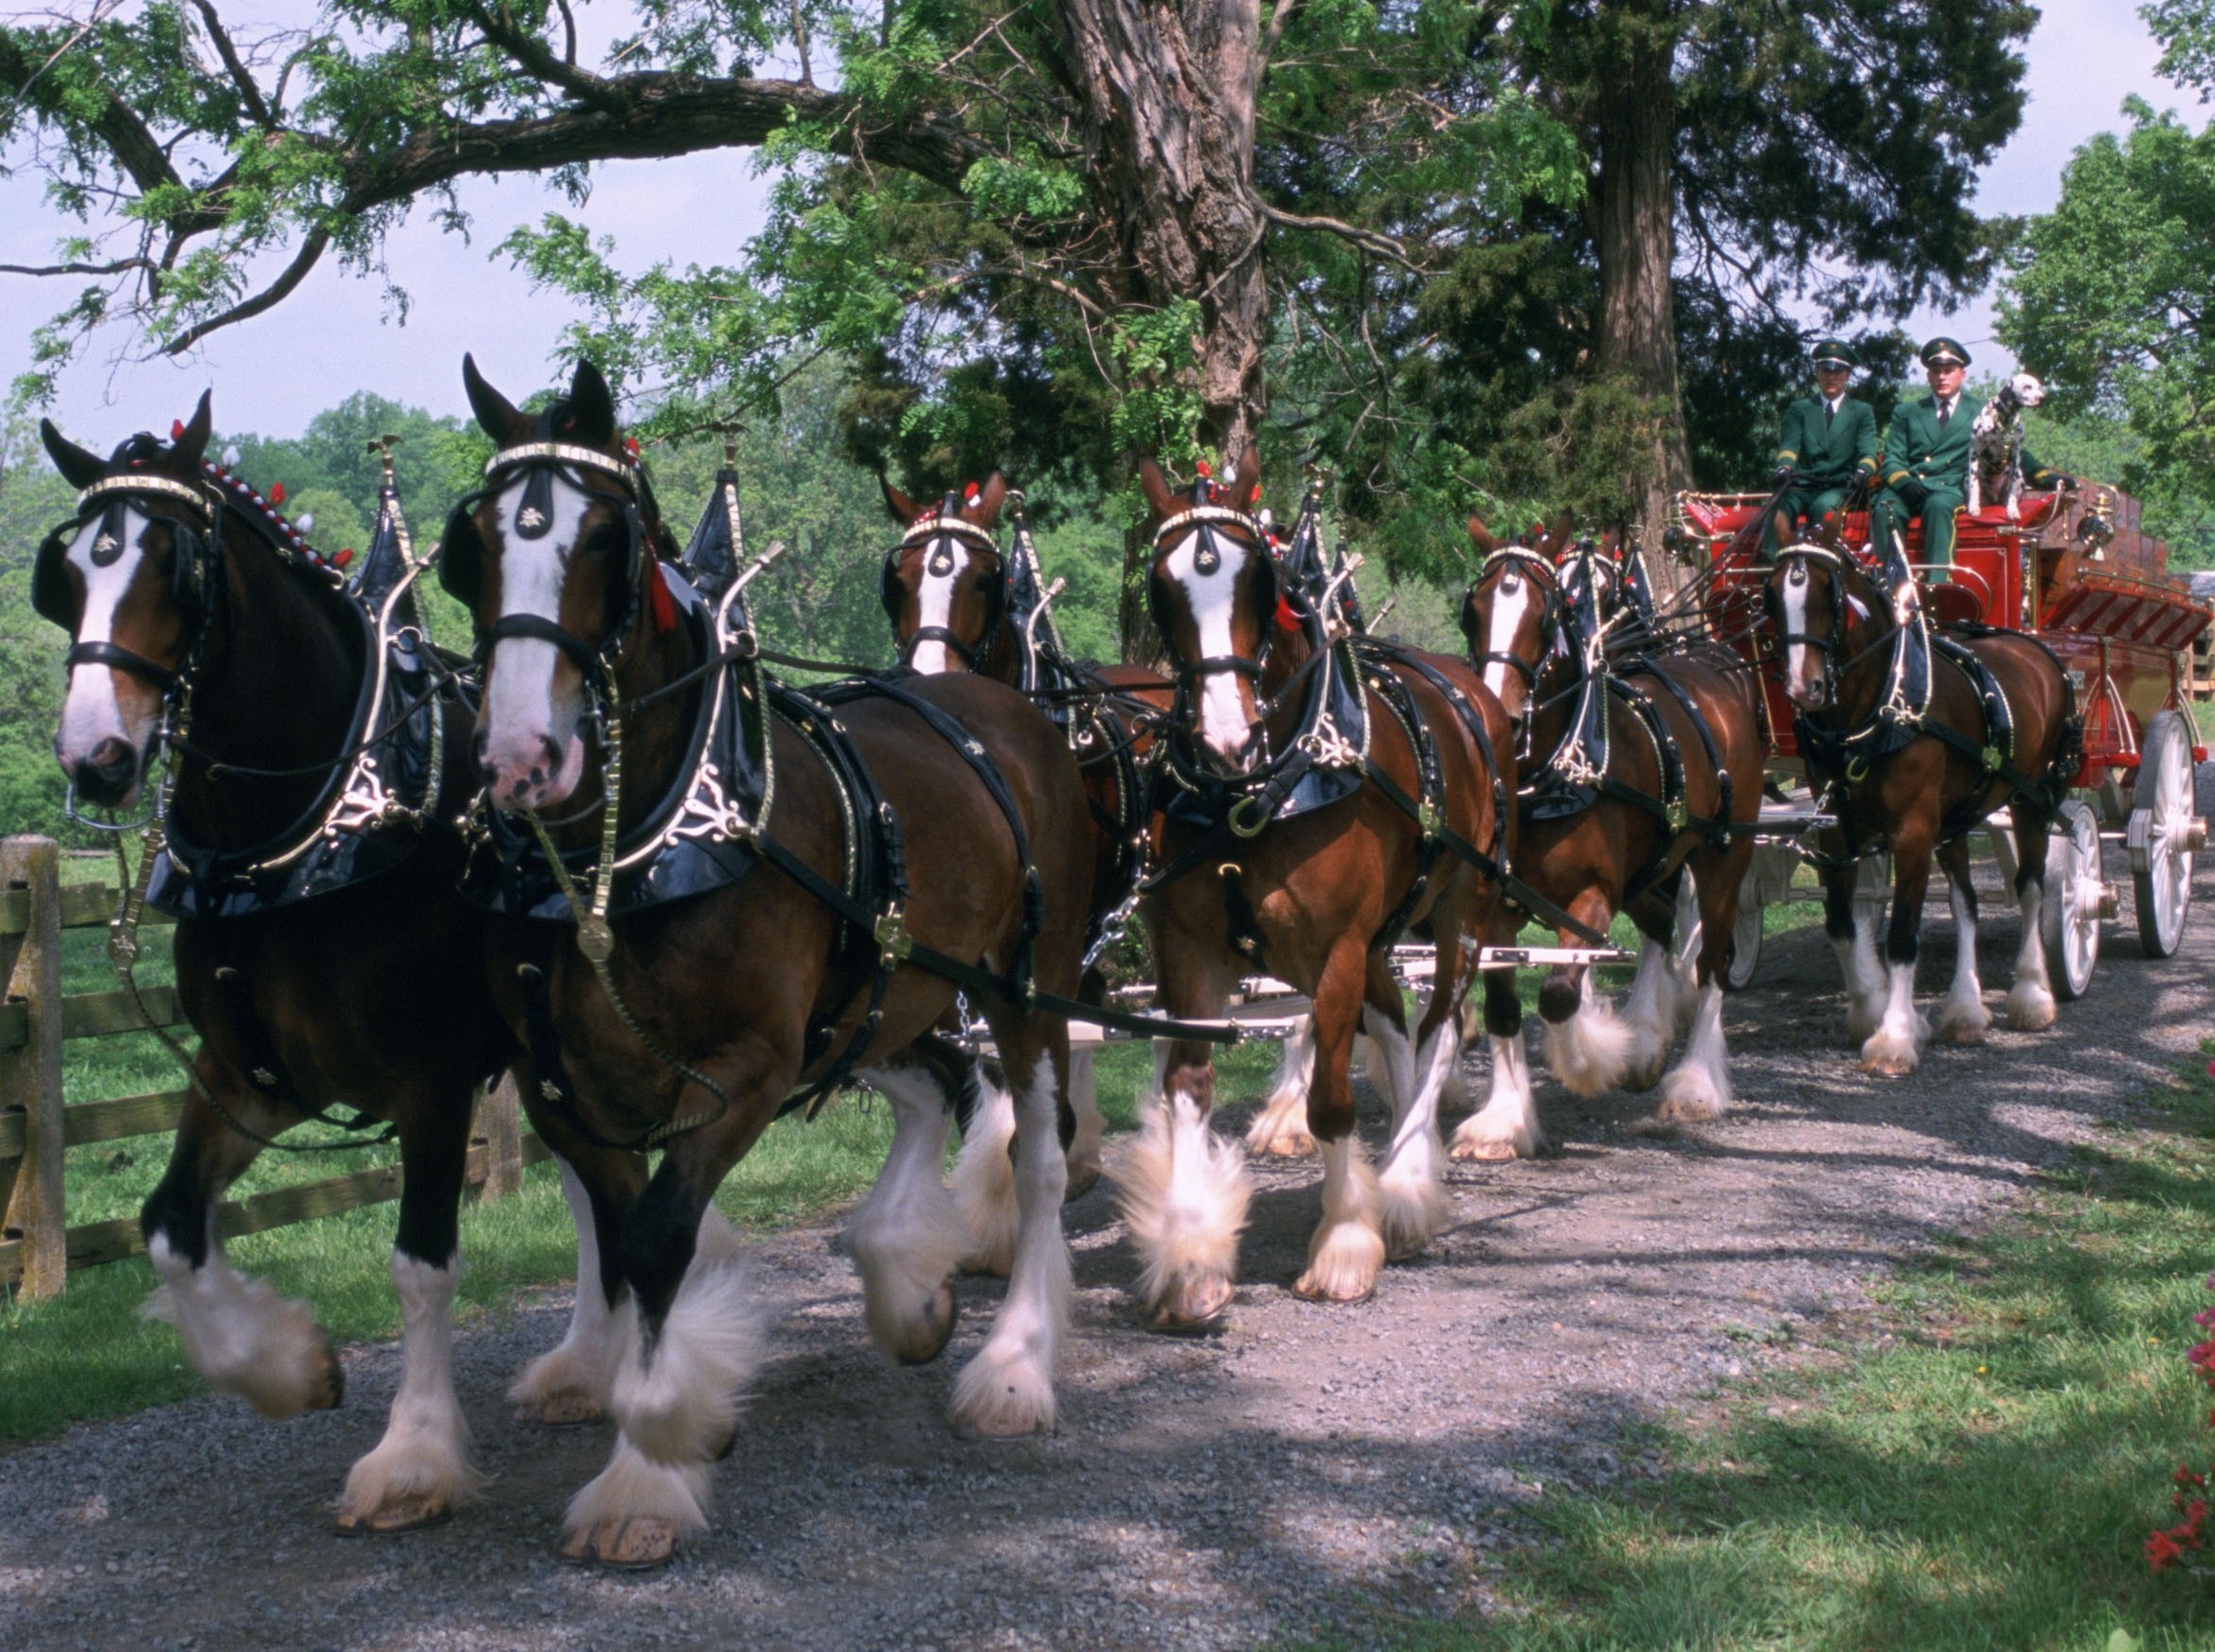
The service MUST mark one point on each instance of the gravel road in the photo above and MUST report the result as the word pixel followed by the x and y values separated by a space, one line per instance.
pixel 1304 1466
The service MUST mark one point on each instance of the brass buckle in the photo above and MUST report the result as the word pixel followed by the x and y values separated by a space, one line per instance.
pixel 893 940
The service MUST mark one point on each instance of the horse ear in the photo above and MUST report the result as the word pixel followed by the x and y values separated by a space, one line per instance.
pixel 499 417
pixel 591 405
pixel 1249 472
pixel 985 513
pixel 1480 536
pixel 191 442
pixel 904 509
pixel 77 467
pixel 1159 493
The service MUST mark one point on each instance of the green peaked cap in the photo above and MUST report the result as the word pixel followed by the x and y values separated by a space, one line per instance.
pixel 1942 350
pixel 1834 353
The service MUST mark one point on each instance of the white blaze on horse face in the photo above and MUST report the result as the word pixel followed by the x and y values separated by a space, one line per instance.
pixel 1226 710
pixel 1511 601
pixel 1803 669
pixel 532 746
pixel 934 606
pixel 92 711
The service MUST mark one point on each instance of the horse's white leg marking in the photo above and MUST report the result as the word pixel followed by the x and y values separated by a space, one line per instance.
pixel 1595 1050
pixel 1699 1086
pixel 984 1179
pixel 241 1336
pixel 1183 1192
pixel 1084 1103
pixel 934 606
pixel 1510 1113
pixel 1896 1046
pixel 568 1383
pixel 519 714
pixel 1414 1201
pixel 1349 1244
pixel 1864 973
pixel 682 1403
pixel 2030 998
pixel 1281 1127
pixel 423 1458
pixel 1962 1018
pixel 1393 1069
pixel 1008 1389
pixel 908 1236
pixel 90 710
pixel 1213 598
pixel 1652 1013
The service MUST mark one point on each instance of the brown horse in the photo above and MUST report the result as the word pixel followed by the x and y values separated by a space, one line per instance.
pixel 946 591
pixel 1317 805
pixel 322 955
pixel 1636 773
pixel 844 840
pixel 1902 725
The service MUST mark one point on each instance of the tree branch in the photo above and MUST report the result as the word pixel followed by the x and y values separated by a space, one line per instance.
pixel 276 292
pixel 249 93
pixel 1384 246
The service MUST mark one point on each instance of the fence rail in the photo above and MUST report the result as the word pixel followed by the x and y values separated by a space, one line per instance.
pixel 38 1247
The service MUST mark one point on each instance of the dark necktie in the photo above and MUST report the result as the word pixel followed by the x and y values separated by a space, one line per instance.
pixel 1829 411
pixel 1945 412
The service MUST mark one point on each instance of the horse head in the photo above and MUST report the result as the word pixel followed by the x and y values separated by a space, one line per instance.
pixel 1816 616
pixel 1511 616
pixel 1215 596
pixel 945 585
pixel 128 579
pixel 551 556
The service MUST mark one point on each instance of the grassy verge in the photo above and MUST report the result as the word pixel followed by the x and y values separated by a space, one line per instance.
pixel 1977 1467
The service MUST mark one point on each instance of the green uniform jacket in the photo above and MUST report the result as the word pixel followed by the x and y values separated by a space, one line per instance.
pixel 1834 456
pixel 1915 446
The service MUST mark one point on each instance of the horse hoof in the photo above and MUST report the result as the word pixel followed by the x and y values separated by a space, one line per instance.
pixel 1888 1065
pixel 625 1543
pixel 566 1410
pixel 1290 1144
pixel 405 1513
pixel 1308 1287
pixel 926 1339
pixel 1197 1308
pixel 1481 1152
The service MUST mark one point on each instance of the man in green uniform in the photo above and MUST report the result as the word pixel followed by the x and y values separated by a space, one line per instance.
pixel 1926 461
pixel 1830 444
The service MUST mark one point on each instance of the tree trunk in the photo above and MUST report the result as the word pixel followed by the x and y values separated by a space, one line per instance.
pixel 1633 204
pixel 1168 97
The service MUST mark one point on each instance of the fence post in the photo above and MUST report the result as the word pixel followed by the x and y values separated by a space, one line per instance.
pixel 499 1126
pixel 30 1077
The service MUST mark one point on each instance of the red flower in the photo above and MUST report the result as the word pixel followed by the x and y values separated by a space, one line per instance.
pixel 276 493
pixel 2187 1477
pixel 2161 1551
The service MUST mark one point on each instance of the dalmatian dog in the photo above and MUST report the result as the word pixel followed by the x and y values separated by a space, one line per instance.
pixel 1995 445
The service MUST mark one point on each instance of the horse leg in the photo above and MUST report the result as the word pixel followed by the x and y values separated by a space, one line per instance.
pixel 1008 1388
pixel 1349 1244
pixel 569 1382
pixel 238 1333
pixel 1853 935
pixel 984 1176
pixel 1280 1129
pixel 1896 1046
pixel 1698 1088
pixel 420 1470
pixel 1183 1192
pixel 1962 1018
pixel 1410 1184
pixel 907 1235
pixel 1507 1127
pixel 1590 1048
pixel 2030 998
pixel 1084 1105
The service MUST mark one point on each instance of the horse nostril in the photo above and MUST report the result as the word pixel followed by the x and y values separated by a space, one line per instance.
pixel 113 761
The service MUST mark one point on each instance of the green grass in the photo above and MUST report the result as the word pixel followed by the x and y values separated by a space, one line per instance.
pixel 1978 1468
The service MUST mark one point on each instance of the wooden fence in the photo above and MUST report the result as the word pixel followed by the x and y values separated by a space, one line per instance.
pixel 38 1247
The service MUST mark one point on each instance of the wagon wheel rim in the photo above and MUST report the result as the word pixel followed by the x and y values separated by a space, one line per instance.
pixel 2073 887
pixel 2162 884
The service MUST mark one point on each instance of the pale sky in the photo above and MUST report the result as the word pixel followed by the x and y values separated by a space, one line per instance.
pixel 332 337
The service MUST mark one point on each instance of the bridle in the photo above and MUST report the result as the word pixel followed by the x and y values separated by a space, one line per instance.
pixel 938 534
pixel 1793 563
pixel 460 553
pixel 1208 521
pixel 1503 562
pixel 195 548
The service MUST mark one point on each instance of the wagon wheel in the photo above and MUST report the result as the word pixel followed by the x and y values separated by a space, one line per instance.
pixel 2070 913
pixel 2162 835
